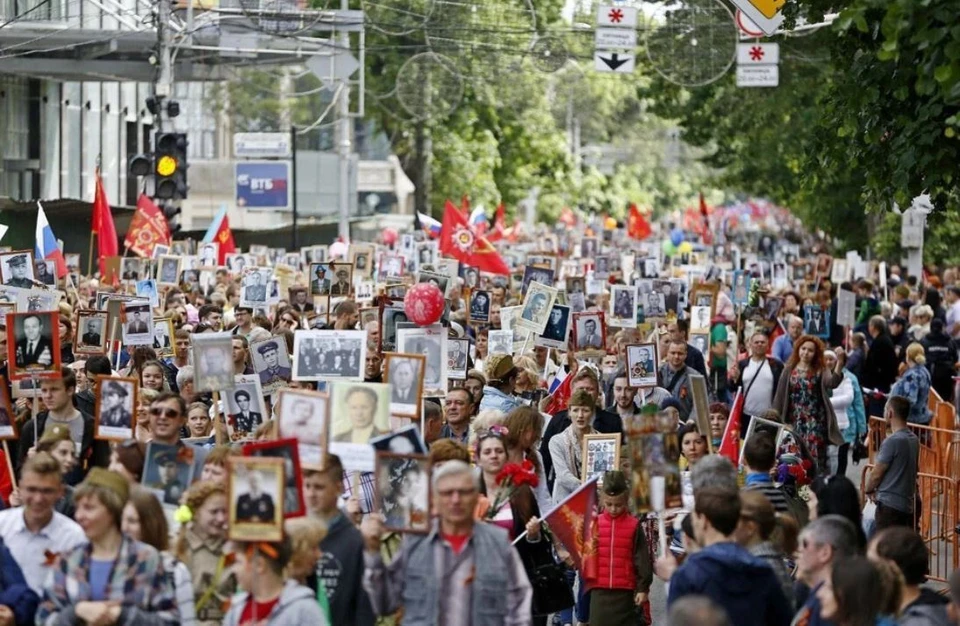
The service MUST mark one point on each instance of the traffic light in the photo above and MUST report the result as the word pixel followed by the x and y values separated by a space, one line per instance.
pixel 170 166
pixel 171 212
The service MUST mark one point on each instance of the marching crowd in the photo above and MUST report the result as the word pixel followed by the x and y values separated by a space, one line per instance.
pixel 774 534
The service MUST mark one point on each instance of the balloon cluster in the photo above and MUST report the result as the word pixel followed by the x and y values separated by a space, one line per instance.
pixel 676 243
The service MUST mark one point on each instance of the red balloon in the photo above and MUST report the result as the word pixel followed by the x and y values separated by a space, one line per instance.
pixel 389 236
pixel 424 304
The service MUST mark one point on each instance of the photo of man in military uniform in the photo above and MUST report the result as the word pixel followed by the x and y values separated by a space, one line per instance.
pixel 114 412
pixel 18 272
pixel 255 506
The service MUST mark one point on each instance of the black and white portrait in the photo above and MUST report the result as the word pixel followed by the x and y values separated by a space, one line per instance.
pixel 457 361
pixel 136 323
pixel 209 254
pixel 623 306
pixel 131 269
pixel 590 331
pixel 816 321
pixel 403 492
pixel 700 318
pixel 537 305
pixel 391 317
pixel 168 471
pixel 555 333
pixel 390 268
pixel 602 267
pixel 303 415
pixel 271 363
pixel 115 408
pixel 91 332
pixel 576 284
pixel 256 487
pixel 168 270
pixel 244 410
pixel 212 361
pixel 480 306
pixel 431 342
pixel 642 365
pixel 471 277
pixel 287 451
pixel 147 289
pixel 33 343
pixel 163 337
pixel 17 269
pixel 500 342
pixel 253 287
pixel 653 305
pixel 542 275
pixel 322 354
pixel 434 278
pixel 404 373
pixel 45 272
pixel 427 253
pixel 342 284
pixel 236 263
pixel 589 248
pixel 701 342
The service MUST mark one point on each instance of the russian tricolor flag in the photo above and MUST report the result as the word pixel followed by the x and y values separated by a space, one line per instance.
pixel 478 220
pixel 47 247
pixel 429 224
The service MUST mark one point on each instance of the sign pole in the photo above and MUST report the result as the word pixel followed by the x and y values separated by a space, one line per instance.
pixel 293 185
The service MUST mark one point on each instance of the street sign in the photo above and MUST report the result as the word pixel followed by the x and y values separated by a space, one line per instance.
pixel 764 13
pixel 758 75
pixel 619 62
pixel 746 25
pixel 261 145
pixel 616 39
pixel 263 184
pixel 624 17
pixel 334 67
pixel 758 53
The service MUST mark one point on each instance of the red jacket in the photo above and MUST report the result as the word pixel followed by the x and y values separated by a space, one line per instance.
pixel 615 547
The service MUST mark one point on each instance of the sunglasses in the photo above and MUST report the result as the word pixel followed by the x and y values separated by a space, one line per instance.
pixel 168 413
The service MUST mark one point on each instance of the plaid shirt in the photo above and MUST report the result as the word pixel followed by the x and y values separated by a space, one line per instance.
pixel 138 581
pixel 367 489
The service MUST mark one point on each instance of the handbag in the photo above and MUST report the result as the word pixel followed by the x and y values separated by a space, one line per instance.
pixel 551 593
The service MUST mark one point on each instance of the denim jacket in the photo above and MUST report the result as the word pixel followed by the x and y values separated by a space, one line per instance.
pixel 914 385
pixel 493 398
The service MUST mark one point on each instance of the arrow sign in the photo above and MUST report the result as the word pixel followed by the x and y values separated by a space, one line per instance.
pixel 613 62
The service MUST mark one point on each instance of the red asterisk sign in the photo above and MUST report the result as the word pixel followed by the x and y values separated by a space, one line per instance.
pixel 615 16
pixel 756 53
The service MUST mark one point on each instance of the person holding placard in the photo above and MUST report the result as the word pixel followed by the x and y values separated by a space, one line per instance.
pixel 566 449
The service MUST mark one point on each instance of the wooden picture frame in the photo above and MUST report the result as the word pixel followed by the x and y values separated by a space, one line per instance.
pixel 403 477
pixel 288 450
pixel 292 423
pixel 93 342
pixel 255 510
pixel 700 294
pixel 164 263
pixel 581 338
pixel 595 446
pixel 113 421
pixel 8 422
pixel 165 351
pixel 391 370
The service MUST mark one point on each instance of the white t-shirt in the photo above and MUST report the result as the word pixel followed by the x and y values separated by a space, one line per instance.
pixel 760 397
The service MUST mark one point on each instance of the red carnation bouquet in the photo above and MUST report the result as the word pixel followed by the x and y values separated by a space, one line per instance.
pixel 512 477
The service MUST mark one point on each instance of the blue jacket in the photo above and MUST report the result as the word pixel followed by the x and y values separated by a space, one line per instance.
pixel 744 585
pixel 14 591
pixel 783 348
pixel 856 412
pixel 914 385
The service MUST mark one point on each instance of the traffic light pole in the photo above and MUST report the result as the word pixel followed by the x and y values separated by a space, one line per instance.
pixel 293 187
pixel 344 146
pixel 164 84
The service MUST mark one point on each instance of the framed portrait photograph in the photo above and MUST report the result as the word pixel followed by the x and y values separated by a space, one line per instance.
pixel 168 270
pixel 287 451
pixel 531 274
pixel 500 342
pixel 271 363
pixel 116 408
pixel 390 267
pixel 701 341
pixel 458 351
pixel 255 487
pixel 209 254
pixel 320 279
pixel 342 284
pixel 404 373
pixel 360 412
pixel 576 284
pixel 388 328
pixel 557 330
pixel 623 306
pixel 136 323
pixel 758 424
pixel 537 305
pixel 212 361
pixel 471 277
pixel 168 471
pixel 603 267
pixel 589 248
pixel 404 440
pixel 147 289
pixel 323 354
pixel 364 291
pixel 38 300
pixel 642 365
pixel 236 263
pixel 92 333
pixel 816 321
pixel 33 344
pixel 253 287
pixel 131 269
pixel 589 332
pixel 403 492
pixel 17 269
pixel 601 453
pixel 303 415
pixel 370 315
pixel 72 260
pixel 480 306
pixel 427 253
pixel 740 292
pixel 45 272
pixel 8 425
pixel 361 257
pixel 430 341
pixel 244 407
pixel 163 337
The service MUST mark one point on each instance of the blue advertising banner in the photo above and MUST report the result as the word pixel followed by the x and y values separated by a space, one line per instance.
pixel 263 184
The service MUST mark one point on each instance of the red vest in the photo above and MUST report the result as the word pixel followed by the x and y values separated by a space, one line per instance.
pixel 615 552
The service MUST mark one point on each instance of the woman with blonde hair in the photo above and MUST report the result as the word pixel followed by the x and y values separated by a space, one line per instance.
pixel 914 385
pixel 201 547
pixel 305 535
pixel 524 428
pixel 482 423
pixel 566 448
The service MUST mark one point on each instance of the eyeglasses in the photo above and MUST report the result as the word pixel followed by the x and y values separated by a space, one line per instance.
pixel 168 413
pixel 287 320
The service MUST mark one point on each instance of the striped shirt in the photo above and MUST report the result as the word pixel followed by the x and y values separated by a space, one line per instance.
pixel 764 484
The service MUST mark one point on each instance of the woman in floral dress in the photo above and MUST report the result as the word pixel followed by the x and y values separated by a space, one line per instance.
pixel 803 398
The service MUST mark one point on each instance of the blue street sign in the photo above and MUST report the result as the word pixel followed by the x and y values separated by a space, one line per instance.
pixel 263 184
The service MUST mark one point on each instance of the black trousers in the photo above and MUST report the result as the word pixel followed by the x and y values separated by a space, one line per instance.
pixel 889 516
pixel 843 452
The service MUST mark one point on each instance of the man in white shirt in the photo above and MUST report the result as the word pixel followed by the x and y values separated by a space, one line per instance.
pixel 758 376
pixel 34 532
pixel 953 310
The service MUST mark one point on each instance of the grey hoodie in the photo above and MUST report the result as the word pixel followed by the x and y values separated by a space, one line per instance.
pixel 930 609
pixel 298 605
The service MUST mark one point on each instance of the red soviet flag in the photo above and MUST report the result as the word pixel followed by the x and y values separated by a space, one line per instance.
pixel 458 240
pixel 637 226
pixel 730 444
pixel 147 228
pixel 572 522
pixel 103 226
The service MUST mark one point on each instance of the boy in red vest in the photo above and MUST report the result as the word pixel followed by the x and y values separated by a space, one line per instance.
pixel 624 567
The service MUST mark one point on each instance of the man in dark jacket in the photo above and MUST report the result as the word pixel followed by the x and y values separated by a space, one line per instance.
pixel 723 571
pixel 18 602
pixel 97 365
pixel 880 366
pixel 603 421
pixel 942 355
pixel 920 606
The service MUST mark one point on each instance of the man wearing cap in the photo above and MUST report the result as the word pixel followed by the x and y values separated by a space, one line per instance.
pixel 246 421
pixel 114 414
pixel 501 377
pixel 320 285
pixel 254 291
pixel 274 371
pixel 168 471
pixel 18 271
pixel 342 286
pixel 255 506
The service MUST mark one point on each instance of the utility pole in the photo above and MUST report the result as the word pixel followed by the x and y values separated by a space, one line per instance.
pixel 164 85
pixel 344 143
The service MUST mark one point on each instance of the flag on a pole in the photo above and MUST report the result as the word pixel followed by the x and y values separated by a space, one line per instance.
pixel 220 232
pixel 458 240
pixel 103 226
pixel 572 523
pixel 428 224
pixel 730 444
pixel 499 229
pixel 147 228
pixel 637 225
pixel 478 220
pixel 46 246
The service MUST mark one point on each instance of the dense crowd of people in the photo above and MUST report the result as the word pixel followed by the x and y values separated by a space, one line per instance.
pixel 765 527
